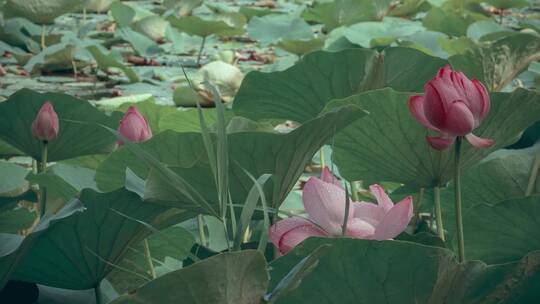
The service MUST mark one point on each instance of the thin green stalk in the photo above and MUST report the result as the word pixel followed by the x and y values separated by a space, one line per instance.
pixel 346 216
pixel 202 235
pixel 201 50
pixel 321 157
pixel 148 257
pixel 457 187
pixel 533 175
pixel 417 207
pixel 354 191
pixel 438 212
pixel 43 46
pixel 42 190
pixel 97 293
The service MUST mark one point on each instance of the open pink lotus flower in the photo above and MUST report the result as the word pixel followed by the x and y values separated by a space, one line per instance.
pixel 324 202
pixel 134 127
pixel 452 105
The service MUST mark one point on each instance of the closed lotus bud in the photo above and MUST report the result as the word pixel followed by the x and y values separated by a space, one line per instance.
pixel 452 105
pixel 45 126
pixel 134 127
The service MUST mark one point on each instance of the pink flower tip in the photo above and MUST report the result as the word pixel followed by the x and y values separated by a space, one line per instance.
pixel 134 127
pixel 45 126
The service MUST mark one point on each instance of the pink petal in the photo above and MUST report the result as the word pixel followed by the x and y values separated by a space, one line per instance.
pixel 328 176
pixel 416 106
pixel 459 120
pixel 325 204
pixel 434 103
pixel 288 233
pixel 479 142
pixel 395 221
pixel 368 212
pixel 440 143
pixel 484 100
pixel 382 198
pixel 360 229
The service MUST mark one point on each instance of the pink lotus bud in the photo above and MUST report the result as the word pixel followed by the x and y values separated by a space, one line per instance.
pixel 134 127
pixel 45 126
pixel 452 105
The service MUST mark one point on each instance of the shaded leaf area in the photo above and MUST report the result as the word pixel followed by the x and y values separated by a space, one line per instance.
pixel 74 139
pixel 345 12
pixel 282 155
pixel 389 145
pixel 65 181
pixel 501 176
pixel 228 278
pixel 302 91
pixel 12 179
pixel 503 232
pixel 362 271
pixel 497 63
pixel 167 249
pixel 89 243
pixel 16 247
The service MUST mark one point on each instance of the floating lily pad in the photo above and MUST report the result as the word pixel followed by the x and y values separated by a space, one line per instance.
pixel 194 25
pixel 271 28
pixel 369 34
pixel 40 11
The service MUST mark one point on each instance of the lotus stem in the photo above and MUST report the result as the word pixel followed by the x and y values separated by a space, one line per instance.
pixel 43 46
pixel 321 158
pixel 457 187
pixel 200 224
pixel 148 257
pixel 97 293
pixel 354 191
pixel 42 190
pixel 438 212
pixel 418 206
pixel 201 50
pixel 534 175
pixel 346 216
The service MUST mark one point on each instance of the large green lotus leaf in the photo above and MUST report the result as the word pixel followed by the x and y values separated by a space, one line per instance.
pixel 15 247
pixel 12 179
pixel 40 11
pixel 301 47
pixel 65 181
pixel 187 120
pixel 7 151
pixel 105 61
pixel 171 243
pixel 381 33
pixel 361 271
pixel 334 14
pixel 228 278
pixel 501 176
pixel 506 4
pixel 481 28
pixel 141 44
pixel 389 144
pixel 74 139
pixel 502 232
pixel 14 218
pixel 282 155
pixel 449 21
pixel 275 27
pixel 90 243
pixel 497 63
pixel 173 149
pixel 194 25
pixel 302 91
